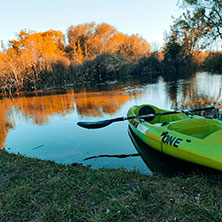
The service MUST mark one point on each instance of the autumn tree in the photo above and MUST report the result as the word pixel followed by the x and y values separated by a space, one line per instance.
pixel 11 72
pixel 28 56
pixel 104 37
pixel 37 60
pixel 79 38
pixel 135 47
pixel 41 45
pixel 88 41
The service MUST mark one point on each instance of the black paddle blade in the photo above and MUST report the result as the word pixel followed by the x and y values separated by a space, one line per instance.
pixel 94 125
pixel 99 124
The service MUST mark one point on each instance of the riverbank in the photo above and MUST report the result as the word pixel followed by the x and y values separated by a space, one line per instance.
pixel 36 190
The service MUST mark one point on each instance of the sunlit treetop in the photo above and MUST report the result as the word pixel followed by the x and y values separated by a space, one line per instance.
pixel 39 45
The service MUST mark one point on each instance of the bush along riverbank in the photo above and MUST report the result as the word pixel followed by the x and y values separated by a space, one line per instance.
pixel 37 190
pixel 61 73
pixel 104 68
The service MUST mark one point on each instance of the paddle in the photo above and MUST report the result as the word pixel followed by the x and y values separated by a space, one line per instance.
pixel 103 123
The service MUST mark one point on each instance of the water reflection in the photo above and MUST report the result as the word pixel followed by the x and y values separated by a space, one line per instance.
pixel 47 120
pixel 202 90
pixel 100 103
pixel 39 107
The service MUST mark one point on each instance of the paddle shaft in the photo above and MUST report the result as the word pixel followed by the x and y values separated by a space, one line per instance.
pixel 103 123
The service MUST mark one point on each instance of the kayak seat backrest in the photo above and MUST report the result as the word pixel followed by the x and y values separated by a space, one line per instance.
pixel 147 110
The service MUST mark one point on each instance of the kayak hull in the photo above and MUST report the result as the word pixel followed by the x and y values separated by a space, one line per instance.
pixel 190 138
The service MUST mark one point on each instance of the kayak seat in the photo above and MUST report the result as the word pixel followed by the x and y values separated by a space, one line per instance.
pixel 147 110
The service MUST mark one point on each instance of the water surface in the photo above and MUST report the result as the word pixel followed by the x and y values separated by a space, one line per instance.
pixel 43 124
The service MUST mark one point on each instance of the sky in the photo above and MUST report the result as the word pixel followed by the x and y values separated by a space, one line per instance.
pixel 147 18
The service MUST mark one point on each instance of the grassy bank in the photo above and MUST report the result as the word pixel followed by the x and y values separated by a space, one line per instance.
pixel 36 190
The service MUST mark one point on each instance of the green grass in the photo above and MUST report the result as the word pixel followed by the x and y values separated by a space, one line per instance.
pixel 36 190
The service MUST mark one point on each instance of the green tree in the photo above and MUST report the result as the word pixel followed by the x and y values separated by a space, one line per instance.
pixel 201 23
pixel 213 62
pixel 175 54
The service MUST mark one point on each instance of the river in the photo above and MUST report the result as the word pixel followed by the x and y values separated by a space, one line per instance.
pixel 43 124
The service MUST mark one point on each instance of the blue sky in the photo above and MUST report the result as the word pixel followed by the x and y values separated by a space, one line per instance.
pixel 148 18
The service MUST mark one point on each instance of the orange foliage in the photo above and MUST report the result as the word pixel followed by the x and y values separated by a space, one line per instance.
pixel 87 41
pixel 135 47
pixel 199 57
pixel 42 45
pixel 37 57
pixel 115 42
pixel 27 57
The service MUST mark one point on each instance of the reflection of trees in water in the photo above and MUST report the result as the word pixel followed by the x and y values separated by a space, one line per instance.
pixel 39 107
pixel 95 104
pixel 172 90
pixel 5 122
pixel 191 94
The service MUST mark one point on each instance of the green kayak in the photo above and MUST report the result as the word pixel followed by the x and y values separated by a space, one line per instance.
pixel 188 137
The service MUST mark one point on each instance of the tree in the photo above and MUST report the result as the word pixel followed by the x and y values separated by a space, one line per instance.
pixel 41 45
pixel 201 24
pixel 28 56
pixel 79 37
pixel 135 47
pixel 88 41
pixel 175 53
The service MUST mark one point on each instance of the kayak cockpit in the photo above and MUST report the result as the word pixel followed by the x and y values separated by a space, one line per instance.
pixel 148 109
pixel 197 127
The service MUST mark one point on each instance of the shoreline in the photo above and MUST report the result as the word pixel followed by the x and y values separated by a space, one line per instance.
pixel 39 190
